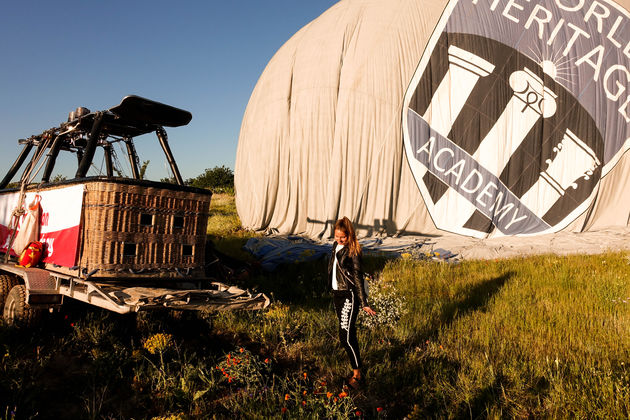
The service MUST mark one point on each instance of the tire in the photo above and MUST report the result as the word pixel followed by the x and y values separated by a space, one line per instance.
pixel 6 284
pixel 17 311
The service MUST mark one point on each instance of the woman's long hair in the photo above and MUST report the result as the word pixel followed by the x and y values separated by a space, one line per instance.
pixel 345 225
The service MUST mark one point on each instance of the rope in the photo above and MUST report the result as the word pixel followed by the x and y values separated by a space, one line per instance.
pixel 120 169
pixel 24 181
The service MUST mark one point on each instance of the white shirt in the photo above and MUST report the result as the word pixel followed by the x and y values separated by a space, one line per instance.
pixel 334 273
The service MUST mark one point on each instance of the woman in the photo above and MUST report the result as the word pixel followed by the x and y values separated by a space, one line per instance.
pixel 345 277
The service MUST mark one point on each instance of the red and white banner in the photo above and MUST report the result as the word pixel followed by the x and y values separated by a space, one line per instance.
pixel 59 222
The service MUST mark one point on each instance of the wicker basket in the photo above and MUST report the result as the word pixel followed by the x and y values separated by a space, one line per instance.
pixel 138 230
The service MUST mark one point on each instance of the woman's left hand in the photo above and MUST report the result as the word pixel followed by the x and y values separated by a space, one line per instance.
pixel 369 310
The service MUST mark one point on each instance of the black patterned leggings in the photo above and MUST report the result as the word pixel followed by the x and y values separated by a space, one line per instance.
pixel 347 308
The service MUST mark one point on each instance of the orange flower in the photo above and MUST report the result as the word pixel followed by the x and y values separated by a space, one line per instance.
pixel 303 402
pixel 266 360
pixel 335 399
pixel 358 413
pixel 343 394
pixel 304 375
pixel 304 393
pixel 329 394
pixel 286 397
pixel 323 383
pixel 241 350
pixel 284 409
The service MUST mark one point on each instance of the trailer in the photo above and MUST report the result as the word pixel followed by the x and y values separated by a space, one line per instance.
pixel 118 242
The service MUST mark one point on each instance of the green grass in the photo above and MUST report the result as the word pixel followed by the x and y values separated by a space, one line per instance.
pixel 536 337
pixel 223 218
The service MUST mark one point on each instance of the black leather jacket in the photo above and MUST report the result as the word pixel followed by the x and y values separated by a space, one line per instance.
pixel 349 273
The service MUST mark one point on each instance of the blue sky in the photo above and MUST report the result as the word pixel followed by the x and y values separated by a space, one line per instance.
pixel 205 57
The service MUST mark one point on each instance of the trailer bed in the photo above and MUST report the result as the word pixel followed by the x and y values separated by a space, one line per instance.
pixel 46 288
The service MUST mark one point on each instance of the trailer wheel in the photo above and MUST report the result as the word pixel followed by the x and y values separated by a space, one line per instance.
pixel 6 284
pixel 17 311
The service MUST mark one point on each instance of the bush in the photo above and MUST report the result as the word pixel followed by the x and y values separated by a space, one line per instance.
pixel 219 179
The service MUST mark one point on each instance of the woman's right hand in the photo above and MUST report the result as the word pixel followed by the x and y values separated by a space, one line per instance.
pixel 370 311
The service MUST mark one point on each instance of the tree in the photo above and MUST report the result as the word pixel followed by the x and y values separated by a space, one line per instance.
pixel 218 178
pixel 169 180
pixel 143 168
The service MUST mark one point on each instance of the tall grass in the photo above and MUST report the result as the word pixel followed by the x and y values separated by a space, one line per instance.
pixel 223 219
pixel 536 337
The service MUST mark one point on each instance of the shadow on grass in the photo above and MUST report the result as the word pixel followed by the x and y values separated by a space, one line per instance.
pixel 475 299
pixel 399 392
pixel 415 376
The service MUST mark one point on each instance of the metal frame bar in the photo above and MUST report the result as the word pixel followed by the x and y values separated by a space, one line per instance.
pixel 16 166
pixel 163 138
pixel 108 160
pixel 52 158
pixel 90 149
pixel 33 161
pixel 133 158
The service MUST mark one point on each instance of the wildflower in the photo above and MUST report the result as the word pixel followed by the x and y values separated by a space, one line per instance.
pixel 267 360
pixel 335 399
pixel 379 409
pixel 304 375
pixel 358 413
pixel 241 350
pixel 390 305
pixel 304 392
pixel 158 343
pixel 286 397
pixel 72 324
pixel 343 394
pixel 284 410
pixel 323 383
pixel 303 403
pixel 329 394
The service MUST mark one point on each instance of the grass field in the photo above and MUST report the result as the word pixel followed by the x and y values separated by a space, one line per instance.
pixel 537 337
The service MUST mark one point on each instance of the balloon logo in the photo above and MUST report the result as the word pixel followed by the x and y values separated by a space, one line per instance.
pixel 516 111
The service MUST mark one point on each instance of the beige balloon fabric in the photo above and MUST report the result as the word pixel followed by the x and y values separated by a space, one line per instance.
pixel 323 135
